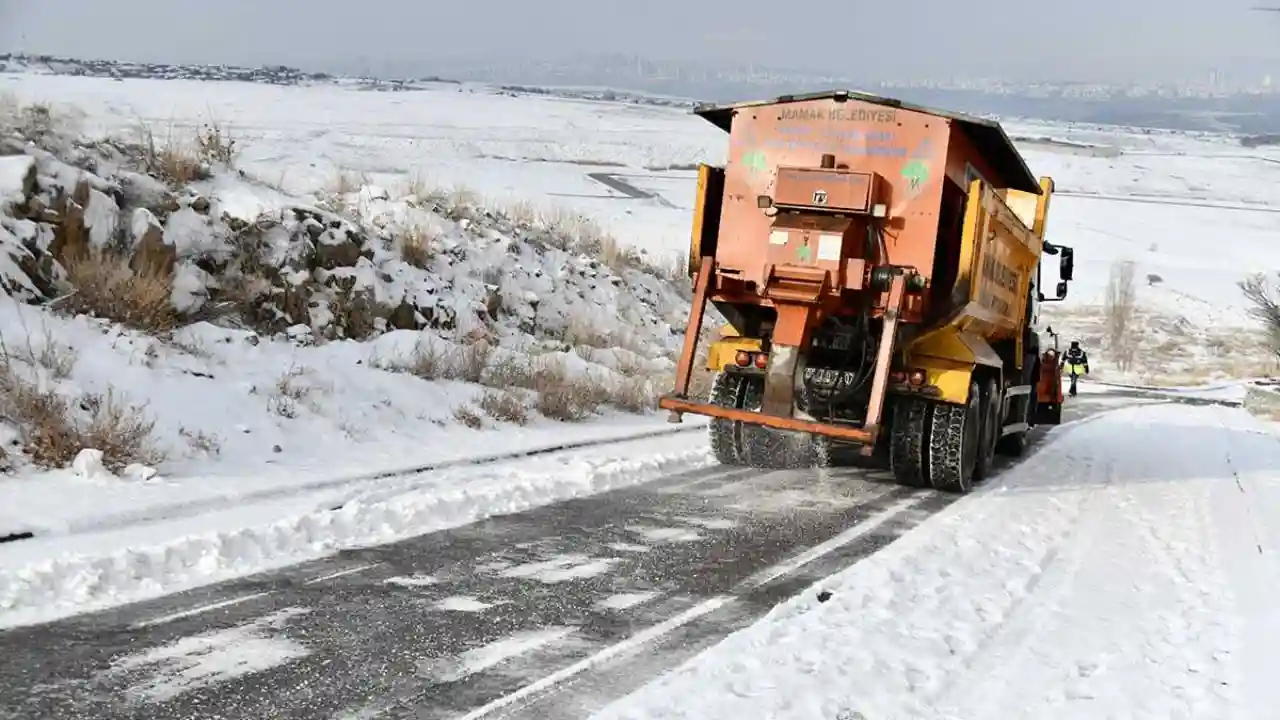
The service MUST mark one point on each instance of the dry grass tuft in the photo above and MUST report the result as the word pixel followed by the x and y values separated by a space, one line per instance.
pixel 183 159
pixel 201 442
pixel 54 428
pixel 105 286
pixel 468 417
pixel 560 395
pixel 504 406
pixel 416 245
pixel 571 399
pixel 636 395
pixel 582 331
pixel 430 361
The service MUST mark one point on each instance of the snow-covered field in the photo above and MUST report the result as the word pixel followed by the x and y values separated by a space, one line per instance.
pixel 1193 213
pixel 467 219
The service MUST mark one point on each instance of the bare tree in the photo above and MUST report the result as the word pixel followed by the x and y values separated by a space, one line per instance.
pixel 1264 296
pixel 1119 309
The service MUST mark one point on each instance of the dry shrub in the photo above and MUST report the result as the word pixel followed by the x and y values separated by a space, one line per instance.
pixel 345 182
pixel 181 160
pixel 581 331
pixel 628 365
pixel 468 417
pixel 618 257
pixel 105 286
pixel 560 396
pixel 571 399
pixel 472 361
pixel 454 203
pixel 565 397
pixel 522 213
pixel 38 122
pixel 427 361
pixel 461 198
pixel 214 144
pixel 431 362
pixel 504 406
pixel 512 372
pixel 1264 299
pixel 416 248
pixel 636 395
pixel 290 391
pixel 200 441
pixel 420 187
pixel 570 229
pixel 59 359
pixel 54 429
pixel 1119 311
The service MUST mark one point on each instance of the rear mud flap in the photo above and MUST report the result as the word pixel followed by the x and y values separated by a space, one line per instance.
pixel 780 382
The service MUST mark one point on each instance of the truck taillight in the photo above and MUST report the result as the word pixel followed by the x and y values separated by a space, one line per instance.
pixel 762 361
pixel 917 377
pixel 743 358
pixel 897 376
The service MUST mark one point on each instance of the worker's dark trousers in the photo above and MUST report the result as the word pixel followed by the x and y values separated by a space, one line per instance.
pixel 1074 378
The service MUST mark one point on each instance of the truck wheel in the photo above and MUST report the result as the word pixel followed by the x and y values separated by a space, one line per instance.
pixel 991 426
pixel 954 440
pixel 726 435
pixel 770 449
pixel 907 441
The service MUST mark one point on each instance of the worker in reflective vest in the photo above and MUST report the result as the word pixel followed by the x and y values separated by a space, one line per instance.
pixel 1076 362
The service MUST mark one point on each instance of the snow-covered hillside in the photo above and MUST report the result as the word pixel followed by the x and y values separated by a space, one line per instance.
pixel 1193 213
pixel 235 329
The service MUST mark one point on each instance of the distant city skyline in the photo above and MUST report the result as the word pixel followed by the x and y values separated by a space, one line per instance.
pixel 1085 40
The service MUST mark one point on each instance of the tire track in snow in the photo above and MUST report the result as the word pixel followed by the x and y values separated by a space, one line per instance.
pixel 981 680
pixel 1125 516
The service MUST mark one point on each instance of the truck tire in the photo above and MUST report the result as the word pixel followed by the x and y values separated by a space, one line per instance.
pixel 770 449
pixel 955 437
pixel 907 441
pixel 991 402
pixel 725 435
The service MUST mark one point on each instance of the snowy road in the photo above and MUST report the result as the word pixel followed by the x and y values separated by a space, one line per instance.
pixel 551 613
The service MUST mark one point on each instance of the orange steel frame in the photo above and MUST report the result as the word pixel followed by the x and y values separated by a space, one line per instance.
pixel 678 403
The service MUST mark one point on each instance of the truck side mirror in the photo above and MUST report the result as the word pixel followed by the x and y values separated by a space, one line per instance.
pixel 1062 289
pixel 1067 266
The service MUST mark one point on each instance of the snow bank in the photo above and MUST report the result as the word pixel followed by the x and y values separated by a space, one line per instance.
pixel 40 582
pixel 1125 570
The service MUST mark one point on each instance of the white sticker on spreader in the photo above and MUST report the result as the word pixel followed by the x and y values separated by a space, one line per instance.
pixel 778 237
pixel 830 247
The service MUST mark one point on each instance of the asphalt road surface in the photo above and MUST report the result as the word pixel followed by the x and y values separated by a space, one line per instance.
pixel 546 614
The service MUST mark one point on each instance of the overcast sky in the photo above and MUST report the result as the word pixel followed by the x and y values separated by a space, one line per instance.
pixel 1069 39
